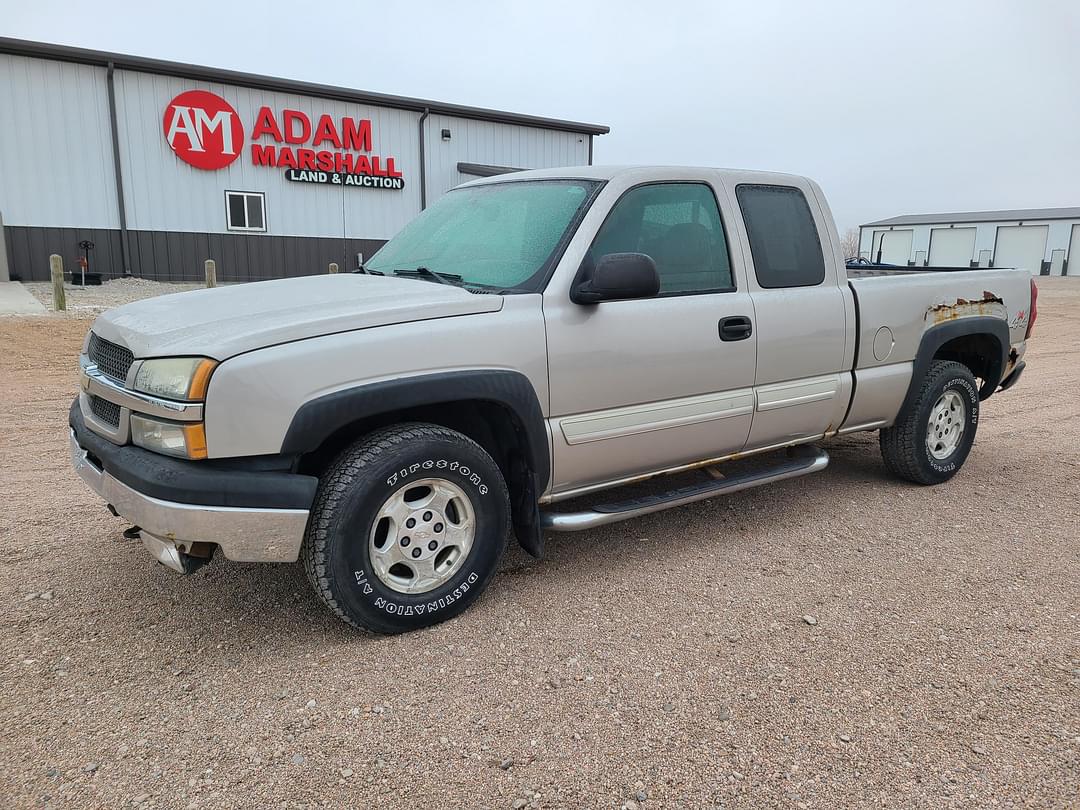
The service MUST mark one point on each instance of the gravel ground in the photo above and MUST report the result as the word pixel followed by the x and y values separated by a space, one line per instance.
pixel 663 663
pixel 87 301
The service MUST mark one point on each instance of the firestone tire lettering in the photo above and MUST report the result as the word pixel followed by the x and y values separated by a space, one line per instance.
pixel 442 464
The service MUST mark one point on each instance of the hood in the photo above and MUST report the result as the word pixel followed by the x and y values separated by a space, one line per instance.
pixel 226 321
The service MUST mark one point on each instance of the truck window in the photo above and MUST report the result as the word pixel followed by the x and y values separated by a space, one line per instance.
pixel 783 239
pixel 679 226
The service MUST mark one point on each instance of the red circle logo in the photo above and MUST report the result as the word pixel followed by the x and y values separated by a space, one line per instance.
pixel 203 129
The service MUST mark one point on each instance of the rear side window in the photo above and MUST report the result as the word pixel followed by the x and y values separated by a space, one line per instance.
pixel 783 238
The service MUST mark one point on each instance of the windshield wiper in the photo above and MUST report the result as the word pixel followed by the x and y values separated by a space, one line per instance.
pixel 452 279
pixel 368 271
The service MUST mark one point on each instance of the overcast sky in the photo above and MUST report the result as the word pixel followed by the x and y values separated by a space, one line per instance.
pixel 894 107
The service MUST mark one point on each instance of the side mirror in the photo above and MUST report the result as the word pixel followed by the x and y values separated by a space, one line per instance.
pixel 617 277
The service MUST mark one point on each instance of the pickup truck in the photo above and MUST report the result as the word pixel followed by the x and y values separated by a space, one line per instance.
pixel 529 340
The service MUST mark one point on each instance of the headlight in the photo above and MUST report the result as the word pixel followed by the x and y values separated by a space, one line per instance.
pixel 171 438
pixel 175 377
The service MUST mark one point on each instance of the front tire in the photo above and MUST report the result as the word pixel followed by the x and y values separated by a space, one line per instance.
pixel 932 437
pixel 408 528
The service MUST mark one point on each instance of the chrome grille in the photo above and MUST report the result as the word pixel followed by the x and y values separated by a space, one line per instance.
pixel 112 360
pixel 107 412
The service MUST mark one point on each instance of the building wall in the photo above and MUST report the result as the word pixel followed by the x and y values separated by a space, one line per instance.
pixel 58 183
pixel 1058 236
pixel 495 145
pixel 56 164
pixel 164 193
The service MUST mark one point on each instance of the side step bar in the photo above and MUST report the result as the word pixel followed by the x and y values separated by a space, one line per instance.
pixel 802 461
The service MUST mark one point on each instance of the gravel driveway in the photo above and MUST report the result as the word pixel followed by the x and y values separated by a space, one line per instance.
pixel 662 663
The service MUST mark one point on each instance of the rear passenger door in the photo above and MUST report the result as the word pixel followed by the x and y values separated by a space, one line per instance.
pixel 804 312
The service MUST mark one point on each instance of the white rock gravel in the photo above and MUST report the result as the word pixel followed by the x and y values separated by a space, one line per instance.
pixel 91 300
pixel 950 656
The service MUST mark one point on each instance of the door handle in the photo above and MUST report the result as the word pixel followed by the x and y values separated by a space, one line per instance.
pixel 737 327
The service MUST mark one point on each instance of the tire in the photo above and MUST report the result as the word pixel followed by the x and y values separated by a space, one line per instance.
pixel 948 395
pixel 372 548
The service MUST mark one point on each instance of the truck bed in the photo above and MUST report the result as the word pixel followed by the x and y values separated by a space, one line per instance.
pixel 894 308
pixel 907 303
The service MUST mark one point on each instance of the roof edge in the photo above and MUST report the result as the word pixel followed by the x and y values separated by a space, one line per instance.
pixel 86 56
pixel 971 217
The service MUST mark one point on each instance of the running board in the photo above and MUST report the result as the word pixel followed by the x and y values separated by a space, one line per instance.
pixel 802 461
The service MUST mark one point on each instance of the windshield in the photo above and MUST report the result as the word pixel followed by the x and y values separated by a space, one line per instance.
pixel 499 235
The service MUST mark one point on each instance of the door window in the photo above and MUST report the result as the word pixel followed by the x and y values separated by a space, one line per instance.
pixel 783 238
pixel 679 226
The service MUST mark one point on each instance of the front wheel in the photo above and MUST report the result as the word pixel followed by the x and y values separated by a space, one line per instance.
pixel 408 528
pixel 933 435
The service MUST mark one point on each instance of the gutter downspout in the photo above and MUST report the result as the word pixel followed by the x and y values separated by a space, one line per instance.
pixel 124 248
pixel 423 169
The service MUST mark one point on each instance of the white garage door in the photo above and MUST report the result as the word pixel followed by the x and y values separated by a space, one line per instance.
pixel 895 247
pixel 1021 246
pixel 951 247
pixel 1073 268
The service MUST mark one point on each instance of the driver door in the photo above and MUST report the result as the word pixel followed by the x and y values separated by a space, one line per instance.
pixel 638 386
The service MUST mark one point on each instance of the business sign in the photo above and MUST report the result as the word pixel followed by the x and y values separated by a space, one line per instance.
pixel 206 132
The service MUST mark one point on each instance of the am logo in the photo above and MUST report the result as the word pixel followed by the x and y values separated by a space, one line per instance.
pixel 203 130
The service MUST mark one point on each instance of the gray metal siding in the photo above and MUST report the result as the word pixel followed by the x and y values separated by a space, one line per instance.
pixel 56 166
pixel 488 143
pixel 165 193
pixel 175 257
pixel 28 250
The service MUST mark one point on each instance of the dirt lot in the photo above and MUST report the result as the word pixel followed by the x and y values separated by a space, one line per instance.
pixel 664 663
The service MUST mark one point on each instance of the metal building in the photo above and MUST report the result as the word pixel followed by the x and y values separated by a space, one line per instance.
pixel 1045 241
pixel 162 165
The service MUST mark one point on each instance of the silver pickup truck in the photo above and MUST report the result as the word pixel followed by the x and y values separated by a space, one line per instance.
pixel 529 339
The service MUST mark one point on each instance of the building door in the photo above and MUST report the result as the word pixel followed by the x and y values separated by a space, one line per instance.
pixel 1073 266
pixel 951 247
pixel 893 247
pixel 648 384
pixel 1021 246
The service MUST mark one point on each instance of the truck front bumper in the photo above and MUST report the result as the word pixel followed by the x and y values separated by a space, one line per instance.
pixel 252 516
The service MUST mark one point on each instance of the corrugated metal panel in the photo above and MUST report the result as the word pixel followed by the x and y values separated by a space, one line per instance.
pixel 494 144
pixel 29 250
pixel 66 53
pixel 56 166
pixel 165 193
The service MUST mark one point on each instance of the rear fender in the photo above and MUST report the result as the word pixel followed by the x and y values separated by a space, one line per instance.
pixel 937 336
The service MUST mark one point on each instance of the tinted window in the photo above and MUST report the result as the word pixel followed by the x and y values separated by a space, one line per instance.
pixel 244 211
pixel 254 212
pixel 237 217
pixel 783 238
pixel 678 225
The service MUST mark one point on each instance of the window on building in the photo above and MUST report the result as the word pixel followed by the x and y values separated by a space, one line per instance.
pixel 245 210
pixel 678 225
pixel 783 238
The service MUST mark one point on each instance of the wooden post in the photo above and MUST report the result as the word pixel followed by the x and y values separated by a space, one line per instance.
pixel 211 272
pixel 56 268
pixel 333 267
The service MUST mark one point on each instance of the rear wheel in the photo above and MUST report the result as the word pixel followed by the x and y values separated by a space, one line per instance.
pixel 408 528
pixel 934 433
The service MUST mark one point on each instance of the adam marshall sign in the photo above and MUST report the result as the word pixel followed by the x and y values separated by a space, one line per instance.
pixel 205 131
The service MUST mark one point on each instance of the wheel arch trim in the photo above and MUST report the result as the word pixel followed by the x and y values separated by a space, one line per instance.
pixel 318 419
pixel 937 336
